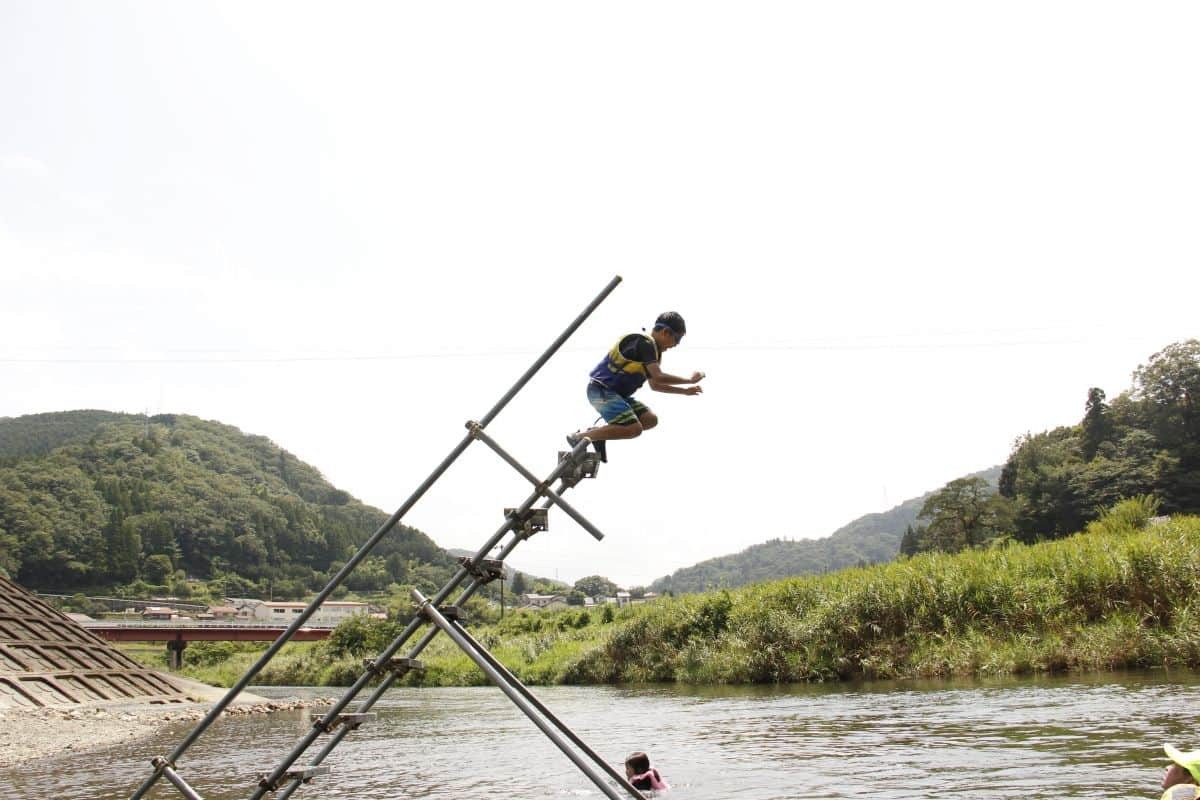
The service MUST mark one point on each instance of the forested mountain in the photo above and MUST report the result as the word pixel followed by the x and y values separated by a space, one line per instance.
pixel 870 539
pixel 92 499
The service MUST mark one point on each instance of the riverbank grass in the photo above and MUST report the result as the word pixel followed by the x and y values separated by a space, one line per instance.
pixel 1117 596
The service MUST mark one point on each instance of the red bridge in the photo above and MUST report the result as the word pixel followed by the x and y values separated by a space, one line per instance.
pixel 178 633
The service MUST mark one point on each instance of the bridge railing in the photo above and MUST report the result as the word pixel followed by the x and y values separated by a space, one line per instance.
pixel 193 623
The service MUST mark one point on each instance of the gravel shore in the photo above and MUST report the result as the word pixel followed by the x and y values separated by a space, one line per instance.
pixel 32 733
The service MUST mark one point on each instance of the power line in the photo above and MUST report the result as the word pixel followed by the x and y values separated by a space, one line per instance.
pixel 940 340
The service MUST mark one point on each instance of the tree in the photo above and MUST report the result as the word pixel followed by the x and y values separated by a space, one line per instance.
pixel 1037 477
pixel 124 547
pixel 1096 426
pixel 157 568
pixel 961 515
pixel 910 542
pixel 596 586
pixel 1169 388
pixel 518 584
pixel 1170 383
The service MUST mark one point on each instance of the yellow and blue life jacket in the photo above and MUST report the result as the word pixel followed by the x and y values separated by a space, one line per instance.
pixel 624 368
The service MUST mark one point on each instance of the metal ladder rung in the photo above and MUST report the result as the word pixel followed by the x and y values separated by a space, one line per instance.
pixel 351 721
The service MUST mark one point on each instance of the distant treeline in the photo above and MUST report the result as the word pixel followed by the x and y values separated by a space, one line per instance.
pixel 870 539
pixel 1146 441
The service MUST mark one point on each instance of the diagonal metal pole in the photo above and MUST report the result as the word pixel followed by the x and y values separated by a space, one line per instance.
pixel 521 688
pixel 391 677
pixel 180 784
pixel 273 779
pixel 495 677
pixel 552 495
pixel 215 712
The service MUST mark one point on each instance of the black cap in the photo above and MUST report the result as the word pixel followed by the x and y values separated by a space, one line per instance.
pixel 672 322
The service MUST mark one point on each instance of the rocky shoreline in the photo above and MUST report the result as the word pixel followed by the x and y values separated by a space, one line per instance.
pixel 28 733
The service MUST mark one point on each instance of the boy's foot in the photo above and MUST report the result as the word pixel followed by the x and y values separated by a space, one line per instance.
pixel 574 439
pixel 601 450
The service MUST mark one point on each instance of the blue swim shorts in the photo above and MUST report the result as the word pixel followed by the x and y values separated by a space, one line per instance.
pixel 614 408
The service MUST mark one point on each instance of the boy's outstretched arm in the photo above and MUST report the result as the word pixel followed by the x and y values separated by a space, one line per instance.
pixel 672 384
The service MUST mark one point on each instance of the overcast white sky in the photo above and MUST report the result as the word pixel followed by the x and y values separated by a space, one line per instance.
pixel 902 234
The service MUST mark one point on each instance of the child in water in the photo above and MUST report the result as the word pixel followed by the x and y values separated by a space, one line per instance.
pixel 1181 775
pixel 642 775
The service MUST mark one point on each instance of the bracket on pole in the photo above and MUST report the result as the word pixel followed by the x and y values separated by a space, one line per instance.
pixel 302 774
pixel 584 466
pixel 486 571
pixel 351 721
pixel 163 766
pixel 534 520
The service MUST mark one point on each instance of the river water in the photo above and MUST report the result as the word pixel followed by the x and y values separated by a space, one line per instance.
pixel 1095 737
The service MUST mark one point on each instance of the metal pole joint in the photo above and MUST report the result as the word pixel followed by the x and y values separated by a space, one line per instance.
pixel 485 571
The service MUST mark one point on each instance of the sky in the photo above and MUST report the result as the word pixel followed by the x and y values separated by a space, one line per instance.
pixel 902 235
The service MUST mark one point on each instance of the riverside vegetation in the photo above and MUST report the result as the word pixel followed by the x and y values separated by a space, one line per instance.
pixel 1119 595
pixel 987 581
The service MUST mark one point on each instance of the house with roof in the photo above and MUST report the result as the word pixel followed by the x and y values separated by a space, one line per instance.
pixel 329 614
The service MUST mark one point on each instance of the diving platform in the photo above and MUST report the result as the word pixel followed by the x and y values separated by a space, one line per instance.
pixel 441 613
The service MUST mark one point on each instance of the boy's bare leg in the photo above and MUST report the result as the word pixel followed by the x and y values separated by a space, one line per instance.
pixel 607 433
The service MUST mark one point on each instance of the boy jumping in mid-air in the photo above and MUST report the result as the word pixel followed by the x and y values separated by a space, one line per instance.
pixel 632 361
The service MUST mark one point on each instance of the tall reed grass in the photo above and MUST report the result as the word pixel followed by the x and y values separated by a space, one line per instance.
pixel 1113 597
pixel 1116 596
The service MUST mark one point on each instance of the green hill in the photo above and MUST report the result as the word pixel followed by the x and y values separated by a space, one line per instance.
pixel 93 499
pixel 870 539
pixel 37 434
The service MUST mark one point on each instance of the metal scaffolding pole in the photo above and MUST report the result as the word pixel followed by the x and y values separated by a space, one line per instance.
pixel 477 432
pixel 516 684
pixel 160 765
pixel 270 781
pixel 392 676
pixel 516 697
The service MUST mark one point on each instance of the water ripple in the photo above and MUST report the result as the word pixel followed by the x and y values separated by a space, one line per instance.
pixel 1050 738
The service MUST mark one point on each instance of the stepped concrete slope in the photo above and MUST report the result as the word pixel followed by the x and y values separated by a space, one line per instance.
pixel 47 659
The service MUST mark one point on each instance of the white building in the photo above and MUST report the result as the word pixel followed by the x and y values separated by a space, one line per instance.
pixel 542 600
pixel 328 614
